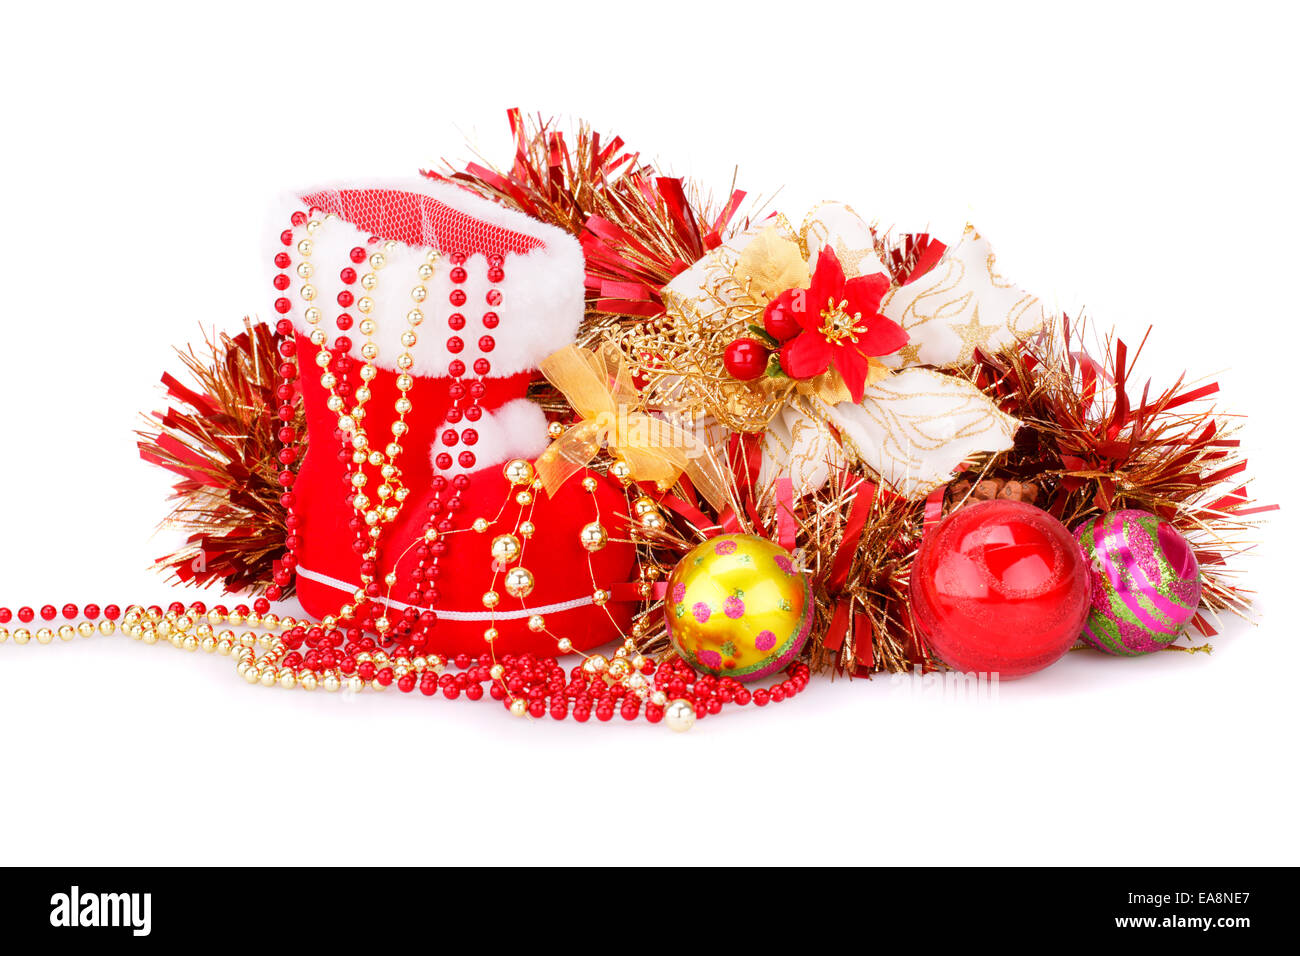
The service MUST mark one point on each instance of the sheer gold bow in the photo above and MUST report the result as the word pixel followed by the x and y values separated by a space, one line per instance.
pixel 599 387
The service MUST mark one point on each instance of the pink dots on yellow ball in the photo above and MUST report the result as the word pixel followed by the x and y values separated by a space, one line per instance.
pixel 735 609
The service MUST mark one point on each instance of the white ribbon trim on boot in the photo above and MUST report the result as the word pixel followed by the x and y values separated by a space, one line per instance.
pixel 451 615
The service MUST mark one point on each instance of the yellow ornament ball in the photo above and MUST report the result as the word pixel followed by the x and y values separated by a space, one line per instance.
pixel 738 607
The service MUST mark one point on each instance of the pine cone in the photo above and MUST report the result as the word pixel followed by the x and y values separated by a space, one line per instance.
pixel 967 492
pixel 1025 491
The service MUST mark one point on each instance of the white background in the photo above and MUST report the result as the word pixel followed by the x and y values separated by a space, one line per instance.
pixel 1134 159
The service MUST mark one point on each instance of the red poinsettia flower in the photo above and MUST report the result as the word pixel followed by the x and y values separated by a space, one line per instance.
pixel 838 324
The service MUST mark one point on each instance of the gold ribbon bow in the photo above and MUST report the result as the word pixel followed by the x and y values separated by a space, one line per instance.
pixel 599 387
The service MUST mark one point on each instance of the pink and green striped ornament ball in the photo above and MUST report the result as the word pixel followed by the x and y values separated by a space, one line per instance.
pixel 1145 583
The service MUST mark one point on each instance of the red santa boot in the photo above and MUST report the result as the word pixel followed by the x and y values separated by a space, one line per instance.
pixel 421 313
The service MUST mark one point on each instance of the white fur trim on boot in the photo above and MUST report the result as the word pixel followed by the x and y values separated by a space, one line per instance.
pixel 515 430
pixel 541 292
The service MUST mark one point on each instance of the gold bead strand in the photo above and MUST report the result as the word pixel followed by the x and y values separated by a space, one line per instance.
pixel 352 422
pixel 347 421
pixel 364 455
pixel 392 486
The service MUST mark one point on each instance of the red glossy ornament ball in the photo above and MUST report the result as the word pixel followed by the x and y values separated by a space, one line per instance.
pixel 779 322
pixel 999 587
pixel 745 359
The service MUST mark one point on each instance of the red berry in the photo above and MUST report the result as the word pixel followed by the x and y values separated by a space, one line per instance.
pixel 779 321
pixel 745 359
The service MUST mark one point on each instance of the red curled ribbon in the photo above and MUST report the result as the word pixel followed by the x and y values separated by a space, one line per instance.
pixel 858 513
pixel 838 627
pixel 933 508
pixel 786 528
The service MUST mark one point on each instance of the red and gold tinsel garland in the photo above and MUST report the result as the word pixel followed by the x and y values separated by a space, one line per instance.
pixel 638 227
pixel 219 437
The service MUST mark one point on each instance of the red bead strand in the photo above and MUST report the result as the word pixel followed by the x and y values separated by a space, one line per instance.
pixel 287 348
pixel 311 655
